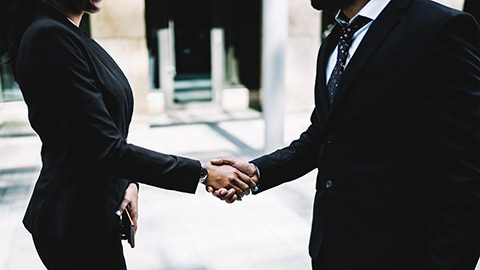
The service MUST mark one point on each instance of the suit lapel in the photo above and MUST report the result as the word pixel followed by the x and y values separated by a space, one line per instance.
pixel 377 33
pixel 326 50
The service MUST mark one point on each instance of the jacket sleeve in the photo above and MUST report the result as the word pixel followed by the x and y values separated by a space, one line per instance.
pixel 291 162
pixel 450 102
pixel 58 64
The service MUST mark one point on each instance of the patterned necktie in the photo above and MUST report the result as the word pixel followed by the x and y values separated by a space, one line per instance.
pixel 346 38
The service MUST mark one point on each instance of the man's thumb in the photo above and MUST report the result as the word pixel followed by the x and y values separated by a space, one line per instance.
pixel 223 160
pixel 218 161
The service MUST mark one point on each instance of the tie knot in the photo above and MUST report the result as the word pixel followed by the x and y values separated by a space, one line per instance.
pixel 348 30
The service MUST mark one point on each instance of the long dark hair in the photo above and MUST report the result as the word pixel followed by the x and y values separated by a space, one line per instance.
pixel 15 17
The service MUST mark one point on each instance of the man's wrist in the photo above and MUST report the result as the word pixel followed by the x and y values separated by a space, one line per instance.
pixel 257 176
pixel 257 171
pixel 203 173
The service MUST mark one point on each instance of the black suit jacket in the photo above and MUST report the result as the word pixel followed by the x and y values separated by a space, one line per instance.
pixel 398 152
pixel 81 104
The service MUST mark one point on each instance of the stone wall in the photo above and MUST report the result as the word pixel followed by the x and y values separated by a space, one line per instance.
pixel 120 29
pixel 302 48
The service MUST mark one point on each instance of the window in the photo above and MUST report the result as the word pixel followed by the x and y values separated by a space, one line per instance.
pixel 10 90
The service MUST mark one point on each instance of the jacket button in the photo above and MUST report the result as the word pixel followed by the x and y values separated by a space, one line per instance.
pixel 328 184
pixel 330 139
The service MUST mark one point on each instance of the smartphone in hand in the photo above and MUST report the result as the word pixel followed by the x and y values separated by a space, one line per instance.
pixel 126 228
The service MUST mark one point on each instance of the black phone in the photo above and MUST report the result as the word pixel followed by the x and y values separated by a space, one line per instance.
pixel 126 228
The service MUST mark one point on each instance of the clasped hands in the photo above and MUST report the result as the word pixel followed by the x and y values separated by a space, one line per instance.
pixel 230 179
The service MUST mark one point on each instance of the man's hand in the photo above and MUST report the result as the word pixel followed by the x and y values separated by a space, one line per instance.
pixel 228 177
pixel 247 168
pixel 242 165
pixel 130 203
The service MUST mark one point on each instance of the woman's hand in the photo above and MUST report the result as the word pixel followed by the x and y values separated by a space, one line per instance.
pixel 130 203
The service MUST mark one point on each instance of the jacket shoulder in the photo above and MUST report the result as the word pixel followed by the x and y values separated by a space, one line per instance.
pixel 432 12
pixel 44 29
pixel 430 18
pixel 44 40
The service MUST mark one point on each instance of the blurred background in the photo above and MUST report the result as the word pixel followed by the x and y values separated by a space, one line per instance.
pixel 210 78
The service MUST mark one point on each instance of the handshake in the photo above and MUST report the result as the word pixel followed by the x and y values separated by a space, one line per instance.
pixel 230 179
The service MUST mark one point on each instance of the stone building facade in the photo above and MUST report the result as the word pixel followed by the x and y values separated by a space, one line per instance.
pixel 180 54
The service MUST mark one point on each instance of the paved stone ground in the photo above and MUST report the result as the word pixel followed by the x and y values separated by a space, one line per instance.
pixel 182 231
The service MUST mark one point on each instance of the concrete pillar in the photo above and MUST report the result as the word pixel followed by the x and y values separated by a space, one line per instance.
pixel 274 41
pixel 302 48
pixel 217 42
pixel 120 29
pixel 166 50
pixel 1 100
pixel 1 88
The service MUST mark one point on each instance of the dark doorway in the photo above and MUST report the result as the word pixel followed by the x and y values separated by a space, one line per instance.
pixel 192 23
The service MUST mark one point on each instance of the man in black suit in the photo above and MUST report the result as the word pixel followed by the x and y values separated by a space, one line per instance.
pixel 395 135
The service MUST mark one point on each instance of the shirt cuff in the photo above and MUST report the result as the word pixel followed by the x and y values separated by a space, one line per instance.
pixel 258 171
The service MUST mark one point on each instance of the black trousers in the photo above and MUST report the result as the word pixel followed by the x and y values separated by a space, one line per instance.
pixel 321 262
pixel 104 253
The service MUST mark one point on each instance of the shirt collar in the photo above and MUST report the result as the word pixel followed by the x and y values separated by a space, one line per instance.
pixel 72 21
pixel 371 10
pixel 50 12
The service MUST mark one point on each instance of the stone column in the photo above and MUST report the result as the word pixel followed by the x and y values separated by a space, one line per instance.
pixel 274 42
pixel 1 101
pixel 120 29
pixel 217 41
pixel 1 88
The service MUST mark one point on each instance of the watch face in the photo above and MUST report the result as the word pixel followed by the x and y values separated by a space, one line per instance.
pixel 203 173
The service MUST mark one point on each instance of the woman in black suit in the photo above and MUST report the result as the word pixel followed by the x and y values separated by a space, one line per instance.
pixel 81 104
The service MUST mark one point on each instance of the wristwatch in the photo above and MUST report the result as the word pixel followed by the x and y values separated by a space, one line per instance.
pixel 203 173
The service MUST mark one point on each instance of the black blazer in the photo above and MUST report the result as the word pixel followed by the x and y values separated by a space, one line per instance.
pixel 81 104
pixel 398 152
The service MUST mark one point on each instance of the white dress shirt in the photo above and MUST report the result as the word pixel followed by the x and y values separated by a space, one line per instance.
pixel 72 22
pixel 371 10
